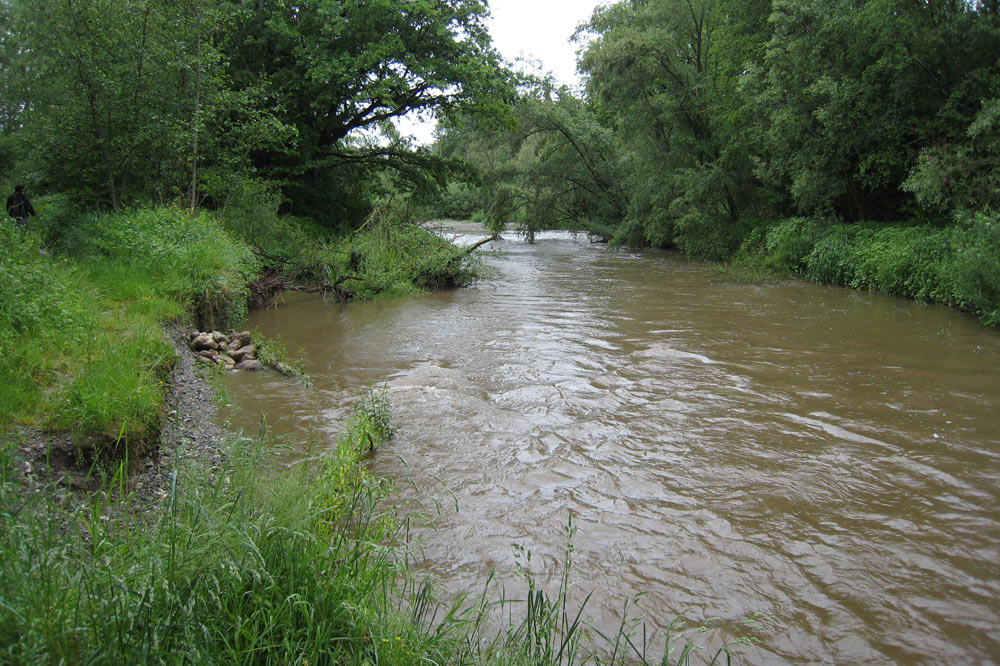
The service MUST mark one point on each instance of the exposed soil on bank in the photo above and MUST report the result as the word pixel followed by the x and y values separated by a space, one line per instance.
pixel 49 461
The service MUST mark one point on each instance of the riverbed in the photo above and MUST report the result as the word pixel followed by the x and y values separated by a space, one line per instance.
pixel 826 457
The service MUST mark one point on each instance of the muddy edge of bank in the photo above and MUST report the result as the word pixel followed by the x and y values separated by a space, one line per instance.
pixel 48 461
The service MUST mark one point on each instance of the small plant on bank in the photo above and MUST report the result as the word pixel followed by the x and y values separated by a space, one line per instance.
pixel 368 427
pixel 271 351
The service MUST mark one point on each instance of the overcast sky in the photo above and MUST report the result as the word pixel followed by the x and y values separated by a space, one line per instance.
pixel 537 30
pixel 540 29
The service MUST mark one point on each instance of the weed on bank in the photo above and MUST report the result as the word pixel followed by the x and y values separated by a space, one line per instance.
pixel 256 563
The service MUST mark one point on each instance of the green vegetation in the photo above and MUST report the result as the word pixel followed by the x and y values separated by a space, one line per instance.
pixel 81 335
pixel 956 265
pixel 188 101
pixel 81 328
pixel 188 159
pixel 246 565
pixel 850 142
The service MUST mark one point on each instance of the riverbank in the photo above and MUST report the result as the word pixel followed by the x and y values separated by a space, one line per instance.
pixel 48 461
pixel 177 542
pixel 82 303
pixel 956 265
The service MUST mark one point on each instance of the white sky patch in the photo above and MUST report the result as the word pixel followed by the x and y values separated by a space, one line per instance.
pixel 533 31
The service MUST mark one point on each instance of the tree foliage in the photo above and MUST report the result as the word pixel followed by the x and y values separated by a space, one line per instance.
pixel 556 166
pixel 122 102
pixel 715 116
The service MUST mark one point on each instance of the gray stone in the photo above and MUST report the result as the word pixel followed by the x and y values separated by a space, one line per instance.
pixel 250 351
pixel 206 359
pixel 204 342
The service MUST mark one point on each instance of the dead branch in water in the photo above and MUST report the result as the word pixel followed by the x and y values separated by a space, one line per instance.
pixel 475 246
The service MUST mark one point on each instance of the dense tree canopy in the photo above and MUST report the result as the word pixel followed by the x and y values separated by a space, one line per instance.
pixel 715 116
pixel 146 99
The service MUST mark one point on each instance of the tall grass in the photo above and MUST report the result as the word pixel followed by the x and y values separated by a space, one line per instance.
pixel 81 342
pixel 167 252
pixel 44 321
pixel 258 564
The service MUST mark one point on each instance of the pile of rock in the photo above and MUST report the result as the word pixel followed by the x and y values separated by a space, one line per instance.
pixel 235 351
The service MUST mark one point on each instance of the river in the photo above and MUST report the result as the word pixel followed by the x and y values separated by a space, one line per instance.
pixel 830 458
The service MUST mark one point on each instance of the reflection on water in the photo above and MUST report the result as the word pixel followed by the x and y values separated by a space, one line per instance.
pixel 825 456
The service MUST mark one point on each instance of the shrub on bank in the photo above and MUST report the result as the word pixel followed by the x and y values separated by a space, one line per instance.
pixel 975 266
pixel 957 265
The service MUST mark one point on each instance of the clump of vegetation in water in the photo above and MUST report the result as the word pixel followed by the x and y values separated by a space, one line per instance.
pixel 394 257
pixel 271 351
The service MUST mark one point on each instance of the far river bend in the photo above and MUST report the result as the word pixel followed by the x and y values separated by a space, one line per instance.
pixel 828 457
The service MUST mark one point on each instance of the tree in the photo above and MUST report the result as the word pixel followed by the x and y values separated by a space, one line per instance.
pixel 556 166
pixel 340 68
pixel 963 175
pixel 854 90
pixel 176 101
pixel 666 73
pixel 121 93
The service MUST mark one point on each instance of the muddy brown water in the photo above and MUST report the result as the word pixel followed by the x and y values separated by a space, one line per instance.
pixel 828 457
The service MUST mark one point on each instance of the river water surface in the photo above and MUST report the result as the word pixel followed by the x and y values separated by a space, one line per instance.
pixel 828 457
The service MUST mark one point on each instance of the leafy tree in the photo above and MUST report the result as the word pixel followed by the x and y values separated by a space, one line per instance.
pixel 181 100
pixel 342 68
pixel 572 175
pixel 666 73
pixel 122 94
pixel 11 98
pixel 556 166
pixel 854 90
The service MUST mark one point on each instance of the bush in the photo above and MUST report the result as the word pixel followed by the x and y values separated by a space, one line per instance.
pixel 189 258
pixel 956 265
pixel 789 242
pixel 458 201
pixel 396 259
pixel 707 237
pixel 832 259
pixel 907 261
pixel 975 268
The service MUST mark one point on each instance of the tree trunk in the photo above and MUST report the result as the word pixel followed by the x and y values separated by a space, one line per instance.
pixel 196 119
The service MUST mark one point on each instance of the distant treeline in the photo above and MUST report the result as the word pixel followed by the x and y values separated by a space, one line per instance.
pixel 705 123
